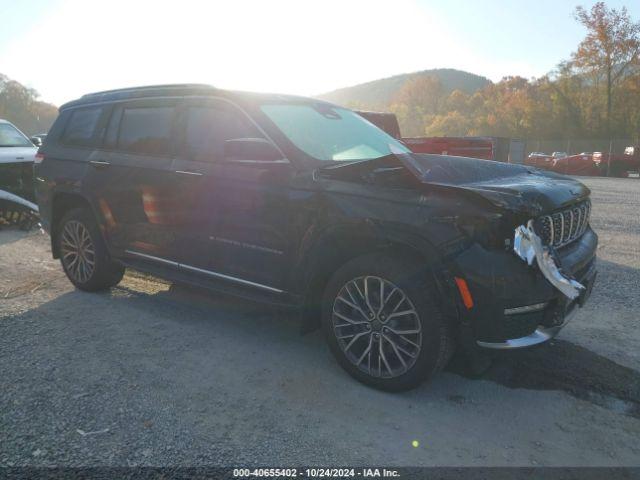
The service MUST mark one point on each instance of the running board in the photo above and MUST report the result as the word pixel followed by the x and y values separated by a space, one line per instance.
pixel 201 278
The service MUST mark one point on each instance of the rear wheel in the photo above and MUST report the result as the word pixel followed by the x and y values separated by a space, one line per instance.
pixel 83 253
pixel 382 324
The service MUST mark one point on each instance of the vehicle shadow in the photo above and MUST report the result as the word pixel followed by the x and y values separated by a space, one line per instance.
pixel 563 366
pixel 557 365
pixel 176 338
pixel 569 367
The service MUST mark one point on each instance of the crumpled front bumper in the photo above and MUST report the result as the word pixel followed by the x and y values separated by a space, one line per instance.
pixel 501 283
pixel 543 333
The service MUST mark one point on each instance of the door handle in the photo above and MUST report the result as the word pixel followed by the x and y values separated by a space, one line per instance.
pixel 99 163
pixel 186 172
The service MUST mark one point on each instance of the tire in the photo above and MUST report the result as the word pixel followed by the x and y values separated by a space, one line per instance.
pixel 394 369
pixel 78 226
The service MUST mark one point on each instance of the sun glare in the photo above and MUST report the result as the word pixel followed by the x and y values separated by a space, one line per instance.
pixel 282 46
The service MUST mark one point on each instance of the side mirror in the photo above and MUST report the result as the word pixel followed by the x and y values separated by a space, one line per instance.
pixel 37 141
pixel 251 150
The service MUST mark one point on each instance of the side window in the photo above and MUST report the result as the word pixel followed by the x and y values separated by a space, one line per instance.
pixel 81 127
pixel 146 130
pixel 208 127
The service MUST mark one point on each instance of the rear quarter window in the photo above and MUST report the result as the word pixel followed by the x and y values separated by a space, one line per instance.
pixel 82 127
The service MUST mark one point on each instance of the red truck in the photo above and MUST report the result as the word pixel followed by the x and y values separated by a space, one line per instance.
pixel 625 165
pixel 587 164
pixel 487 148
pixel 500 149
pixel 513 150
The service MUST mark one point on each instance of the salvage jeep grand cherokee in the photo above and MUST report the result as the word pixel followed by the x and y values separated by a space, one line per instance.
pixel 400 257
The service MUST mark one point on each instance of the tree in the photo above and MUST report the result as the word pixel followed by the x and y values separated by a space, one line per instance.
pixel 19 105
pixel 417 101
pixel 609 50
pixel 450 124
pixel 424 92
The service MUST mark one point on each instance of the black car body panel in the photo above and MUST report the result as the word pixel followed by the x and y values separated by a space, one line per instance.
pixel 515 187
pixel 275 231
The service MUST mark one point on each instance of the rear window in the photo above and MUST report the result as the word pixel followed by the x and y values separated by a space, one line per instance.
pixel 146 130
pixel 81 128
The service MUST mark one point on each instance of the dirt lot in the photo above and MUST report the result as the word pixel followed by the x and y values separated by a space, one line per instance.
pixel 154 374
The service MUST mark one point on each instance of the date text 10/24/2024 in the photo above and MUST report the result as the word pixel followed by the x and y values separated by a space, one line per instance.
pixel 316 472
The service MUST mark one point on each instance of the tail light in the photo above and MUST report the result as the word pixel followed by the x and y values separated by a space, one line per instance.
pixel 39 158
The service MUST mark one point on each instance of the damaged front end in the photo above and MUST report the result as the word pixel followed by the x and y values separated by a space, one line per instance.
pixel 527 293
pixel 529 261
pixel 528 246
pixel 515 243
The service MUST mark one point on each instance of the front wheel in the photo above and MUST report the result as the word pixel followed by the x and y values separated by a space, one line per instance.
pixel 382 323
pixel 83 253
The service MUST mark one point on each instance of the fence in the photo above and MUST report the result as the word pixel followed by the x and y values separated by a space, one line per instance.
pixel 614 163
pixel 575 146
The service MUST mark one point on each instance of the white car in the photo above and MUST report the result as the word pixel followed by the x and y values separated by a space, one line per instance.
pixel 17 156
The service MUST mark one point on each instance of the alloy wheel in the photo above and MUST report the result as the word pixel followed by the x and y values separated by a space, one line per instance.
pixel 377 326
pixel 77 251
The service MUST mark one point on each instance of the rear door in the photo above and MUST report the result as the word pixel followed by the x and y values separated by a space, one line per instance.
pixel 133 177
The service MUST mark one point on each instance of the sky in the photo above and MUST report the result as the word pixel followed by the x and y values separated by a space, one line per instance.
pixel 66 48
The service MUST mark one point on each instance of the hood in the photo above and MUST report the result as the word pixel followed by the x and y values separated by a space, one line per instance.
pixel 17 154
pixel 518 188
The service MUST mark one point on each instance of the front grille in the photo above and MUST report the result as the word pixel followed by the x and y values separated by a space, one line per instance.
pixel 563 227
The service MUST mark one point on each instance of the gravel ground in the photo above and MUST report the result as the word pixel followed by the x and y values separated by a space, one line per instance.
pixel 157 374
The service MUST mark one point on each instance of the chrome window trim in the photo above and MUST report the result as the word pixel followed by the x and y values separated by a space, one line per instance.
pixel 180 98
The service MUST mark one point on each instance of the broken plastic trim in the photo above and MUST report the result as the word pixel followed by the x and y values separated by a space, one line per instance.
pixel 528 246
pixel 16 210
pixel 4 195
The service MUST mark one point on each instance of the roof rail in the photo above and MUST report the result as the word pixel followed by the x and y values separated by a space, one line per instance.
pixel 176 89
pixel 148 87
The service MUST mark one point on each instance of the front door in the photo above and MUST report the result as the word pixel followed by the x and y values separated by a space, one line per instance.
pixel 234 215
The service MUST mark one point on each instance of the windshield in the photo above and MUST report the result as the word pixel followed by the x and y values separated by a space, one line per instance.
pixel 331 133
pixel 10 136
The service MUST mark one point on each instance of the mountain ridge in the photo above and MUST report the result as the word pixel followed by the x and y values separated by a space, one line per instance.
pixel 379 93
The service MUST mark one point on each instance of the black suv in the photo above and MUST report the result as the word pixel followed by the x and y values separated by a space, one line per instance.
pixel 293 201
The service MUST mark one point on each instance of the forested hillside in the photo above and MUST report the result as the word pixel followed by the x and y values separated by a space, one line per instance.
pixel 380 93
pixel 595 94
pixel 20 105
